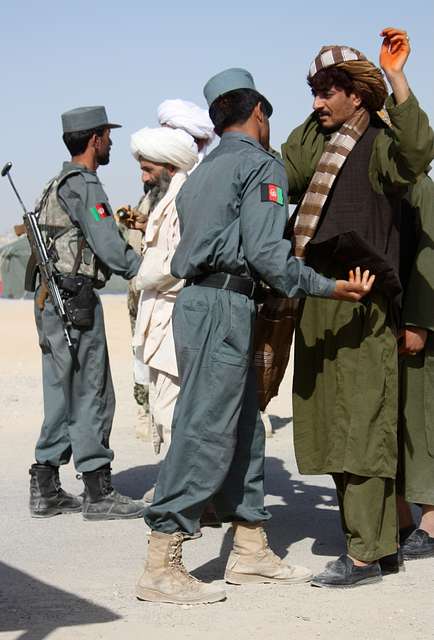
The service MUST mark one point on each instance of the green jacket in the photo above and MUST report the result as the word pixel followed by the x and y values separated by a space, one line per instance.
pixel 399 154
pixel 417 375
pixel 418 306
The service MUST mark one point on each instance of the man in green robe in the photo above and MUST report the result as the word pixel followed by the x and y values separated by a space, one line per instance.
pixel 353 171
pixel 416 468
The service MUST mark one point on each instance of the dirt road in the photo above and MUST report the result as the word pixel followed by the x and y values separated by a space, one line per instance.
pixel 64 578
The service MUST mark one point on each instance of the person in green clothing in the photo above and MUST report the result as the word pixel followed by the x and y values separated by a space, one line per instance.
pixel 348 170
pixel 416 468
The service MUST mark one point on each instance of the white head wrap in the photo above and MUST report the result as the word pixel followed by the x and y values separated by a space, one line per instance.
pixel 165 145
pixel 181 114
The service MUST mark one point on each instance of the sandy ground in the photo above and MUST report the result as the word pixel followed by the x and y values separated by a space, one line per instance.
pixel 69 579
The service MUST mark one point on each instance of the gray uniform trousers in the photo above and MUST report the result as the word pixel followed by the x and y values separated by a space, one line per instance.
pixel 218 440
pixel 78 405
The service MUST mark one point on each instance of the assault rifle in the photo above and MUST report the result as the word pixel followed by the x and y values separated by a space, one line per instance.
pixel 45 265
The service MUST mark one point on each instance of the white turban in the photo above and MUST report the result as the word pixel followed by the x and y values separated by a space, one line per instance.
pixel 171 146
pixel 180 114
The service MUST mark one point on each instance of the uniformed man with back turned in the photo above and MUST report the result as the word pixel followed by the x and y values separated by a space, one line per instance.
pixel 76 222
pixel 233 211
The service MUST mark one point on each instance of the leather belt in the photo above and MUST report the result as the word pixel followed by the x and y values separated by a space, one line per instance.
pixel 247 286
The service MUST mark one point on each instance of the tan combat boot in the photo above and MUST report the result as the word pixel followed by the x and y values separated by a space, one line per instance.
pixel 165 578
pixel 252 560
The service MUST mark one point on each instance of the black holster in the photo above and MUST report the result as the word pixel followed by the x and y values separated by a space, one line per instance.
pixel 80 300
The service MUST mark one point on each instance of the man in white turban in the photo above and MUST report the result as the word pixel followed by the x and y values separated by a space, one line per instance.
pixel 187 116
pixel 165 157
pixel 181 114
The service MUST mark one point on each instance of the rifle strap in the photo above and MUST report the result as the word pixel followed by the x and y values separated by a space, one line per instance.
pixel 78 257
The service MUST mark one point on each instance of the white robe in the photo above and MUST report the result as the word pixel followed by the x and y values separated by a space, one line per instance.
pixel 153 338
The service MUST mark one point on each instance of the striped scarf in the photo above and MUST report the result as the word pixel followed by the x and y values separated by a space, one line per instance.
pixel 276 319
pixel 336 151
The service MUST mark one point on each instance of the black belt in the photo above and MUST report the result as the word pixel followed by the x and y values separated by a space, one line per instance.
pixel 247 286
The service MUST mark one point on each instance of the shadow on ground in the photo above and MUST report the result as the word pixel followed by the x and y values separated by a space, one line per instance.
pixel 137 481
pixel 307 512
pixel 37 609
pixel 278 423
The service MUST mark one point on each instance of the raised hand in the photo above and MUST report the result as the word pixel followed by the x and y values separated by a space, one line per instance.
pixel 355 288
pixel 395 50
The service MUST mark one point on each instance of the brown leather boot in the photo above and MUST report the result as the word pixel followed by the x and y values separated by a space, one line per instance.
pixel 252 560
pixel 165 578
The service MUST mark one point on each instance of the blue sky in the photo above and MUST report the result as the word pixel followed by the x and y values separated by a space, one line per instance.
pixel 131 55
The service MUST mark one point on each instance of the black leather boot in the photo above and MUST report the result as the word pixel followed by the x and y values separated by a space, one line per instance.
pixel 47 498
pixel 102 502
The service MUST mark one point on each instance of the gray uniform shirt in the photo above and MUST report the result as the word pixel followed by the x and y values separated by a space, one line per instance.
pixel 85 201
pixel 233 210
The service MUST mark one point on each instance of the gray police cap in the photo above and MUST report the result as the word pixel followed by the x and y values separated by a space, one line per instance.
pixel 84 118
pixel 231 80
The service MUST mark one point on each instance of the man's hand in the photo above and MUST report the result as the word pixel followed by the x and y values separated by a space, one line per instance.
pixel 394 52
pixel 355 287
pixel 412 340
pixel 132 218
pixel 125 215
pixel 140 221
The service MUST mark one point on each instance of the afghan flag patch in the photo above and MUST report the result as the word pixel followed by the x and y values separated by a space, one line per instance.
pixel 271 193
pixel 100 211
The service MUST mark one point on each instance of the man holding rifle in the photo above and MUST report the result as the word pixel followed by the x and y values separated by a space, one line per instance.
pixel 85 247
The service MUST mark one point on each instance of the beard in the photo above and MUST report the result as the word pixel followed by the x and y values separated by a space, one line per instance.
pixel 158 190
pixel 103 158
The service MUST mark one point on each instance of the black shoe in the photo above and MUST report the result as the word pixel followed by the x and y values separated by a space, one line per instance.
pixel 393 563
pixel 102 502
pixel 418 545
pixel 344 574
pixel 405 532
pixel 47 498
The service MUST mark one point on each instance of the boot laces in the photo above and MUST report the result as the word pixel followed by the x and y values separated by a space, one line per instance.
pixel 175 558
pixel 264 536
pixel 107 483
pixel 56 481
pixel 267 551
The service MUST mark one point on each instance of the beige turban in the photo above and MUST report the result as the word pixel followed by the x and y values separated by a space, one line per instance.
pixel 164 145
pixel 367 78
pixel 181 114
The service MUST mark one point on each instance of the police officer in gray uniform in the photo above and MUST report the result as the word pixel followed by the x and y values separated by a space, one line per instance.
pixel 76 221
pixel 233 212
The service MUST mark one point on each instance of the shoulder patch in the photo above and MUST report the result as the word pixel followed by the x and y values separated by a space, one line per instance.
pixel 271 193
pixel 99 211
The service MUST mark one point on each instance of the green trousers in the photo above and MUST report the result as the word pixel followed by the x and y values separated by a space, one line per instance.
pixel 218 440
pixel 78 404
pixel 415 479
pixel 368 515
